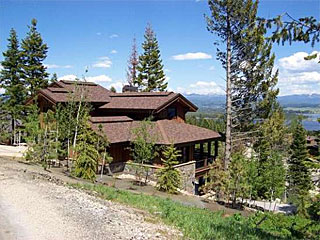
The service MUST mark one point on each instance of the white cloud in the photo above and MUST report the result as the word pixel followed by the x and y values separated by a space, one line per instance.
pixel 113 51
pixel 100 78
pixel 98 33
pixel 104 62
pixel 299 76
pixel 70 77
pixel 297 63
pixel 51 66
pixel 117 85
pixel 202 87
pixel 167 70
pixel 113 36
pixel 192 56
pixel 103 80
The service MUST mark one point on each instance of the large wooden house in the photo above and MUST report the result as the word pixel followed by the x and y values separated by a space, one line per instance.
pixel 119 113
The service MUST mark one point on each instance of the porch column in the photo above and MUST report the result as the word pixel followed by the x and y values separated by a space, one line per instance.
pixel 209 149
pixel 191 153
pixel 201 150
pixel 216 146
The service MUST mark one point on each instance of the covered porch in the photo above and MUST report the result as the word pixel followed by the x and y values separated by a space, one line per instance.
pixel 203 153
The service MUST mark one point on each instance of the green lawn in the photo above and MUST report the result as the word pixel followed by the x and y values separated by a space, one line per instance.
pixel 198 223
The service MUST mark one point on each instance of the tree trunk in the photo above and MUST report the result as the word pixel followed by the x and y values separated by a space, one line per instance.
pixel 68 154
pixel 103 162
pixel 227 153
pixel 13 131
pixel 76 130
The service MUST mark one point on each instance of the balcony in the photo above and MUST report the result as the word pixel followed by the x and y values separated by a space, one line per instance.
pixel 203 161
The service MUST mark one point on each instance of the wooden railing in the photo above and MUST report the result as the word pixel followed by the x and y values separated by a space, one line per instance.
pixel 204 162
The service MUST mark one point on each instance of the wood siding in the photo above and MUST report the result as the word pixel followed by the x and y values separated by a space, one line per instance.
pixel 181 112
pixel 119 152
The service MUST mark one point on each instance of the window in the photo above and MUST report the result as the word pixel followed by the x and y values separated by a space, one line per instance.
pixel 172 112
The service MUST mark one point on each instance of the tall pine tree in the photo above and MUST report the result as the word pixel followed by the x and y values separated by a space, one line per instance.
pixel 299 174
pixel 33 53
pixel 132 65
pixel 248 62
pixel 151 75
pixel 10 80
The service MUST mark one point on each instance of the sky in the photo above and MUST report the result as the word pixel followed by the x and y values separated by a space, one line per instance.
pixel 97 35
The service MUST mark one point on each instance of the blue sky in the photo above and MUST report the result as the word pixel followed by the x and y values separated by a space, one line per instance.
pixel 98 35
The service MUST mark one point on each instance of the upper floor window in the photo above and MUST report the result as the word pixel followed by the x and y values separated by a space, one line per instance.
pixel 172 112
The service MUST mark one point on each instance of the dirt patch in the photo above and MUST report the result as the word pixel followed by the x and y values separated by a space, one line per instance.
pixel 35 204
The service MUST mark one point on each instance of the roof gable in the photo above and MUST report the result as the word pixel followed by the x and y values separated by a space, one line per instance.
pixel 153 101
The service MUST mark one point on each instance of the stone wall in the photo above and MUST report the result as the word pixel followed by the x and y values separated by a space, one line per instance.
pixel 130 168
pixel 187 170
pixel 188 175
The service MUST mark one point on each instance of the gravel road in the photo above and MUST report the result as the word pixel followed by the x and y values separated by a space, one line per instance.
pixel 33 208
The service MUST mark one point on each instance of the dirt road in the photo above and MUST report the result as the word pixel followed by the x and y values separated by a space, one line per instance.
pixel 32 209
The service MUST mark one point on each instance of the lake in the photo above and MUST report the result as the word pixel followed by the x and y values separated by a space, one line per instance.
pixel 311 123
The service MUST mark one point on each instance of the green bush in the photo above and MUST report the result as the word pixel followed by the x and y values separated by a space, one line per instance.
pixel 314 209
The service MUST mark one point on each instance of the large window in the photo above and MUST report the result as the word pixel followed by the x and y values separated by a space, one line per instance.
pixel 172 112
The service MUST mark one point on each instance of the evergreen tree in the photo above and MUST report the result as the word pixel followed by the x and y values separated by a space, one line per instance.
pixel 33 134
pixel 248 63
pixel 273 176
pixel 299 175
pixel 216 179
pixel 238 184
pixel 132 65
pixel 86 153
pixel 33 53
pixel 286 29
pixel 54 78
pixel 272 149
pixel 151 75
pixel 4 123
pixel 113 89
pixel 254 89
pixel 169 178
pixel 10 80
pixel 272 135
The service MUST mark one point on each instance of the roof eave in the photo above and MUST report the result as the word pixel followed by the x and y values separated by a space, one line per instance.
pixel 192 107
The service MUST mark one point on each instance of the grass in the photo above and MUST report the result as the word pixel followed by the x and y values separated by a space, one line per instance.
pixel 195 223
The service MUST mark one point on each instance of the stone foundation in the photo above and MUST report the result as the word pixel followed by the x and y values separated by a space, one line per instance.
pixel 188 176
pixel 187 170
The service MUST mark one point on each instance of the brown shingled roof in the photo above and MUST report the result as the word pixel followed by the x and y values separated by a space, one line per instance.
pixel 110 119
pixel 116 132
pixel 166 132
pixel 179 133
pixel 59 91
pixel 144 100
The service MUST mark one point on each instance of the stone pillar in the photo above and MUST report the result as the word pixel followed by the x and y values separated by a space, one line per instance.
pixel 188 173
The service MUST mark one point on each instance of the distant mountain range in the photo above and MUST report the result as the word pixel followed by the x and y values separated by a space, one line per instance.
pixel 218 101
